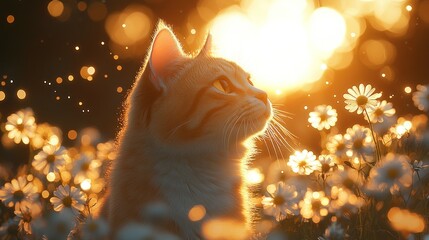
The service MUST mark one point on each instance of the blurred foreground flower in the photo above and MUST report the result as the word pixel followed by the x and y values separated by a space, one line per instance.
pixel 323 117
pixel 421 97
pixel 94 229
pixel 361 98
pixel 392 174
pixel 25 216
pixel 303 162
pixel 68 197
pixel 18 193
pixel 281 202
pixel 405 221
pixel 21 126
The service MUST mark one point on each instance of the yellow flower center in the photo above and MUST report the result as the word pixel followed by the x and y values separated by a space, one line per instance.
pixel 18 195
pixel 378 112
pixel 323 117
pixel 50 158
pixel 341 146
pixel 361 100
pixel 325 167
pixel 302 164
pixel 392 173
pixel 67 201
pixel 358 144
pixel 20 127
pixel 278 200
pixel 316 206
pixel 85 167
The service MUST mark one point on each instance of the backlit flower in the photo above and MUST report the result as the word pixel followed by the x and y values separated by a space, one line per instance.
pixel 323 117
pixel 337 145
pixel 314 206
pixel 303 162
pixel 393 173
pixel 281 201
pixel 359 141
pixel 50 159
pixel 382 110
pixel 57 225
pixel 18 193
pixel 348 178
pixel 360 99
pixel 21 126
pixel 68 197
pixel 326 163
pixel 421 97
pixel 344 202
pixel 25 215
pixel 46 134
pixel 85 168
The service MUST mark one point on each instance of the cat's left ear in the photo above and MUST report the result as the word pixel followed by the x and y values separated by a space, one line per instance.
pixel 166 51
pixel 207 48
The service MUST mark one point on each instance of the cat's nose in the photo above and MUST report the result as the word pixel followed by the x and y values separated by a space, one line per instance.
pixel 262 96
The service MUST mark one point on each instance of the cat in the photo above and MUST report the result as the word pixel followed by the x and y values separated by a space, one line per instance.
pixel 187 137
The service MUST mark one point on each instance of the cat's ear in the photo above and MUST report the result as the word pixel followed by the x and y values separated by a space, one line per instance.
pixel 165 52
pixel 207 48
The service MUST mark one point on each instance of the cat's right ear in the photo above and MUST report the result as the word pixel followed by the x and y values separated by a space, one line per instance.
pixel 165 52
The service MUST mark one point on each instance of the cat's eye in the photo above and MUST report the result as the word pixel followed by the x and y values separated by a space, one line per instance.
pixel 222 84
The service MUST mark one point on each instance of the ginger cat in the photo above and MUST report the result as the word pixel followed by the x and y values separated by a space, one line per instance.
pixel 187 138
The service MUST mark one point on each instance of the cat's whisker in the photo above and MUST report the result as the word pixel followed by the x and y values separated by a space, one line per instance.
pixel 233 126
pixel 281 133
pixel 225 128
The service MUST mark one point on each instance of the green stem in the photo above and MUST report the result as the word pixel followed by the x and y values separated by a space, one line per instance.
pixel 377 147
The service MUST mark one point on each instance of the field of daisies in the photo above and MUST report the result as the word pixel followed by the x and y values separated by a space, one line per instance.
pixel 369 182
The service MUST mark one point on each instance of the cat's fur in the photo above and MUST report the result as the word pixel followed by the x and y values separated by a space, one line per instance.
pixel 185 142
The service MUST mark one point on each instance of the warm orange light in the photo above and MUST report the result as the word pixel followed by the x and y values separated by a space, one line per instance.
pixel 21 94
pixel 72 134
pixel 197 213
pixel 2 96
pixel 55 8
pixel 10 19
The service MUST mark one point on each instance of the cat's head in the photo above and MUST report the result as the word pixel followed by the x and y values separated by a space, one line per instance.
pixel 181 99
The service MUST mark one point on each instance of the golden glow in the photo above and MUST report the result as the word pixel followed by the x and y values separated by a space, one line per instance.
pixel 407 90
pixel 286 45
pixel 409 8
pixel 197 213
pixel 21 94
pixel 224 228
pixel 70 78
pixel 59 80
pixel 91 70
pixel 55 8
pixel 45 193
pixel 119 67
pixel 119 89
pixel 129 26
pixel 2 96
pixel 404 220
pixel 50 176
pixel 86 184
pixel 254 176
pixel 10 19
pixel 72 134
pixel 116 57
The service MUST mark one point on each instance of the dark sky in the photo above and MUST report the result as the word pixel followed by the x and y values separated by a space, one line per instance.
pixel 37 48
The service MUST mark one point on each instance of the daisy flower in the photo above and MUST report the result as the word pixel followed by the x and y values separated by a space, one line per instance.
pixel 46 134
pixel 359 141
pixel 85 168
pixel 25 216
pixel 326 163
pixel 382 110
pixel 336 145
pixel 323 117
pixel 50 159
pixel 314 205
pixel 94 229
pixel 421 97
pixel 347 179
pixel 57 225
pixel 21 126
pixel 303 162
pixel 393 173
pixel 18 193
pixel 344 202
pixel 360 99
pixel 68 197
pixel 282 201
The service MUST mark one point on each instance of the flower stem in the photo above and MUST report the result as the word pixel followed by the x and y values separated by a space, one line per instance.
pixel 377 147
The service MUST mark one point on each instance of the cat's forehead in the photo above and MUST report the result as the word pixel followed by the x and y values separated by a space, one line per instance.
pixel 215 67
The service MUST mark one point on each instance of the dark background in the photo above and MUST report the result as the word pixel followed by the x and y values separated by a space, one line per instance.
pixel 37 48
